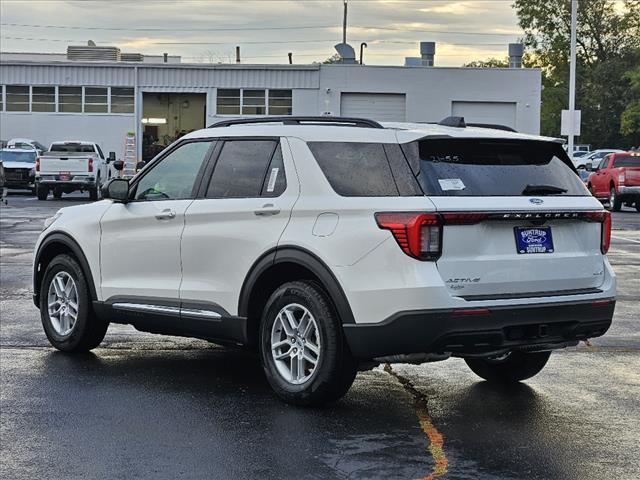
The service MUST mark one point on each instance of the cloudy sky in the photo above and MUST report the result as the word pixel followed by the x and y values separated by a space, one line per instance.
pixel 208 30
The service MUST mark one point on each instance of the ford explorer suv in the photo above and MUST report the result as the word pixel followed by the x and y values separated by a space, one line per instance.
pixel 616 180
pixel 332 244
pixel 71 166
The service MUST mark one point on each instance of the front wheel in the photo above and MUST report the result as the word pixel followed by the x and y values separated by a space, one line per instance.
pixel 303 352
pixel 65 307
pixel 510 368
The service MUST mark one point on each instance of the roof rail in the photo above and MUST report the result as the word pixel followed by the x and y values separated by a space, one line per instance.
pixel 292 120
pixel 495 126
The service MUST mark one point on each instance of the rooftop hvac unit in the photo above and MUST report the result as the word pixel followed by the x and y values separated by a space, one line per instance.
pixel 93 53
pixel 131 57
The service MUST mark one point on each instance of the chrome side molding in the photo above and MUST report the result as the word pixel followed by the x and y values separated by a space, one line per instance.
pixel 190 312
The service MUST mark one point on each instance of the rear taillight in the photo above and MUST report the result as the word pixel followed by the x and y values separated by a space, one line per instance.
pixel 91 164
pixel 419 235
pixel 604 217
pixel 38 164
pixel 621 178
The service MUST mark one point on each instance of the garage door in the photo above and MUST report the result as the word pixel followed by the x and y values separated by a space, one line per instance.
pixel 499 113
pixel 384 107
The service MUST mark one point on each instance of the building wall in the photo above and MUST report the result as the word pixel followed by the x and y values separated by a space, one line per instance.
pixel 106 130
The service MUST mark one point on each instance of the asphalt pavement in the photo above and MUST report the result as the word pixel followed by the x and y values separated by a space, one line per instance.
pixel 146 406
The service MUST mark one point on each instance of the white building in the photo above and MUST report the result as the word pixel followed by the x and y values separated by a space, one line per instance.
pixel 54 98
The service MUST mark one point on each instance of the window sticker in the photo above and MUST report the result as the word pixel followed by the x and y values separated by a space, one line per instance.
pixel 451 184
pixel 272 179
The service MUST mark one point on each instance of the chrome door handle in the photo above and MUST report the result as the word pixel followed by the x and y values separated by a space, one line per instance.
pixel 167 214
pixel 266 210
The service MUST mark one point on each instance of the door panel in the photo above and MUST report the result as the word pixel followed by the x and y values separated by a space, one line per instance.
pixel 223 237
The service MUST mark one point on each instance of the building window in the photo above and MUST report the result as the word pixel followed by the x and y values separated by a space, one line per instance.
pixel 96 100
pixel 280 102
pixel 17 98
pixel 43 99
pixel 254 102
pixel 70 99
pixel 228 102
pixel 122 100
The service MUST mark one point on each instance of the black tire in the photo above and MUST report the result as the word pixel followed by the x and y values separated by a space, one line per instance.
pixel 515 367
pixel 57 193
pixel 42 193
pixel 93 194
pixel 336 369
pixel 88 330
pixel 637 206
pixel 614 201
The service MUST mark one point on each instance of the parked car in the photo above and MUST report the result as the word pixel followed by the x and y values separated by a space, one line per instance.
pixel 70 166
pixel 332 245
pixel 593 157
pixel 19 168
pixel 27 144
pixel 616 180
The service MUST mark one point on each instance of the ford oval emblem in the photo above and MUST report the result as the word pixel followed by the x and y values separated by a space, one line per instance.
pixel 536 201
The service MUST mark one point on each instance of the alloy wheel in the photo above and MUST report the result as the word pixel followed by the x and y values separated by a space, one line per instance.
pixel 295 344
pixel 62 302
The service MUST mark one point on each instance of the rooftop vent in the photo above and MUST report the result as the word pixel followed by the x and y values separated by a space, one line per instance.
pixel 93 53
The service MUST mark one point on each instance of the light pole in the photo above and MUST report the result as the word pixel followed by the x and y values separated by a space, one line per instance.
pixel 572 76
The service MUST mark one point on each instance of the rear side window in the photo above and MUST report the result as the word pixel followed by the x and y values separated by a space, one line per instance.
pixel 626 161
pixel 241 169
pixel 473 167
pixel 355 169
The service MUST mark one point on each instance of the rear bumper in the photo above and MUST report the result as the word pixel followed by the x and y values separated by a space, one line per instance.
pixel 78 181
pixel 630 191
pixel 478 331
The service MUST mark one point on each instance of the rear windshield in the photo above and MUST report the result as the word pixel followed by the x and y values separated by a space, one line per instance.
pixel 9 156
pixel 472 167
pixel 627 161
pixel 72 147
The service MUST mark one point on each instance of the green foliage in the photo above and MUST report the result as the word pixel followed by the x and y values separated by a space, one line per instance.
pixel 608 39
pixel 489 63
pixel 630 119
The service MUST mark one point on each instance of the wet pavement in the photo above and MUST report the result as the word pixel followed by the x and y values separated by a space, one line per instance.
pixel 145 406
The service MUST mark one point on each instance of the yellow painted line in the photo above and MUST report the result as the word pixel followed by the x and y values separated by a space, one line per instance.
pixel 436 440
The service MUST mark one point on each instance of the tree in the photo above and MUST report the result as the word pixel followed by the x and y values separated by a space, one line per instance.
pixel 489 63
pixel 630 119
pixel 607 46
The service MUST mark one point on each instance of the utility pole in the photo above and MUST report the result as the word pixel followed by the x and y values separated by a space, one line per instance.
pixel 572 75
pixel 344 23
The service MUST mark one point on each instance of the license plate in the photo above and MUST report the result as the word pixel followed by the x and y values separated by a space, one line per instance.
pixel 65 176
pixel 534 240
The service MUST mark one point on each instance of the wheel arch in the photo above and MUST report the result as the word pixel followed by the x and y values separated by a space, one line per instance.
pixel 54 244
pixel 279 266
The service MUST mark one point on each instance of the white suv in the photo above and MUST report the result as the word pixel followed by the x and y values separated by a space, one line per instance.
pixel 333 245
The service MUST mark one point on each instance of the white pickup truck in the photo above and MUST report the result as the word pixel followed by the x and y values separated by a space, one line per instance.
pixel 70 166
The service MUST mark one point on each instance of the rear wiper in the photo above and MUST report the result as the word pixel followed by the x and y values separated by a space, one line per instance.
pixel 542 190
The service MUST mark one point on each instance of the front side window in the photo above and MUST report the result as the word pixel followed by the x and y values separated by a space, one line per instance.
pixel 174 176
pixel 242 169
pixel 603 163
pixel 355 169
pixel 486 167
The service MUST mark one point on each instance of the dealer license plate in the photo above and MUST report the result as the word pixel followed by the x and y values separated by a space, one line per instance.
pixel 65 176
pixel 534 240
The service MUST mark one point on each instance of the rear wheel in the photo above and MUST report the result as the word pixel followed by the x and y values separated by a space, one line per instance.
pixel 303 352
pixel 614 202
pixel 637 206
pixel 65 307
pixel 42 193
pixel 93 193
pixel 57 193
pixel 510 368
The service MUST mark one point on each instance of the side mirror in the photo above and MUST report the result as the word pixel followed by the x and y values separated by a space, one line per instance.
pixel 117 189
pixel 112 157
pixel 118 164
pixel 589 166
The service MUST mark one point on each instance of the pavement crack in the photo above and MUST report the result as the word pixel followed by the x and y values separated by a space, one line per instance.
pixel 436 439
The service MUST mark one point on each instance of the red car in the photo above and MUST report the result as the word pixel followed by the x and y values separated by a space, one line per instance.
pixel 616 179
